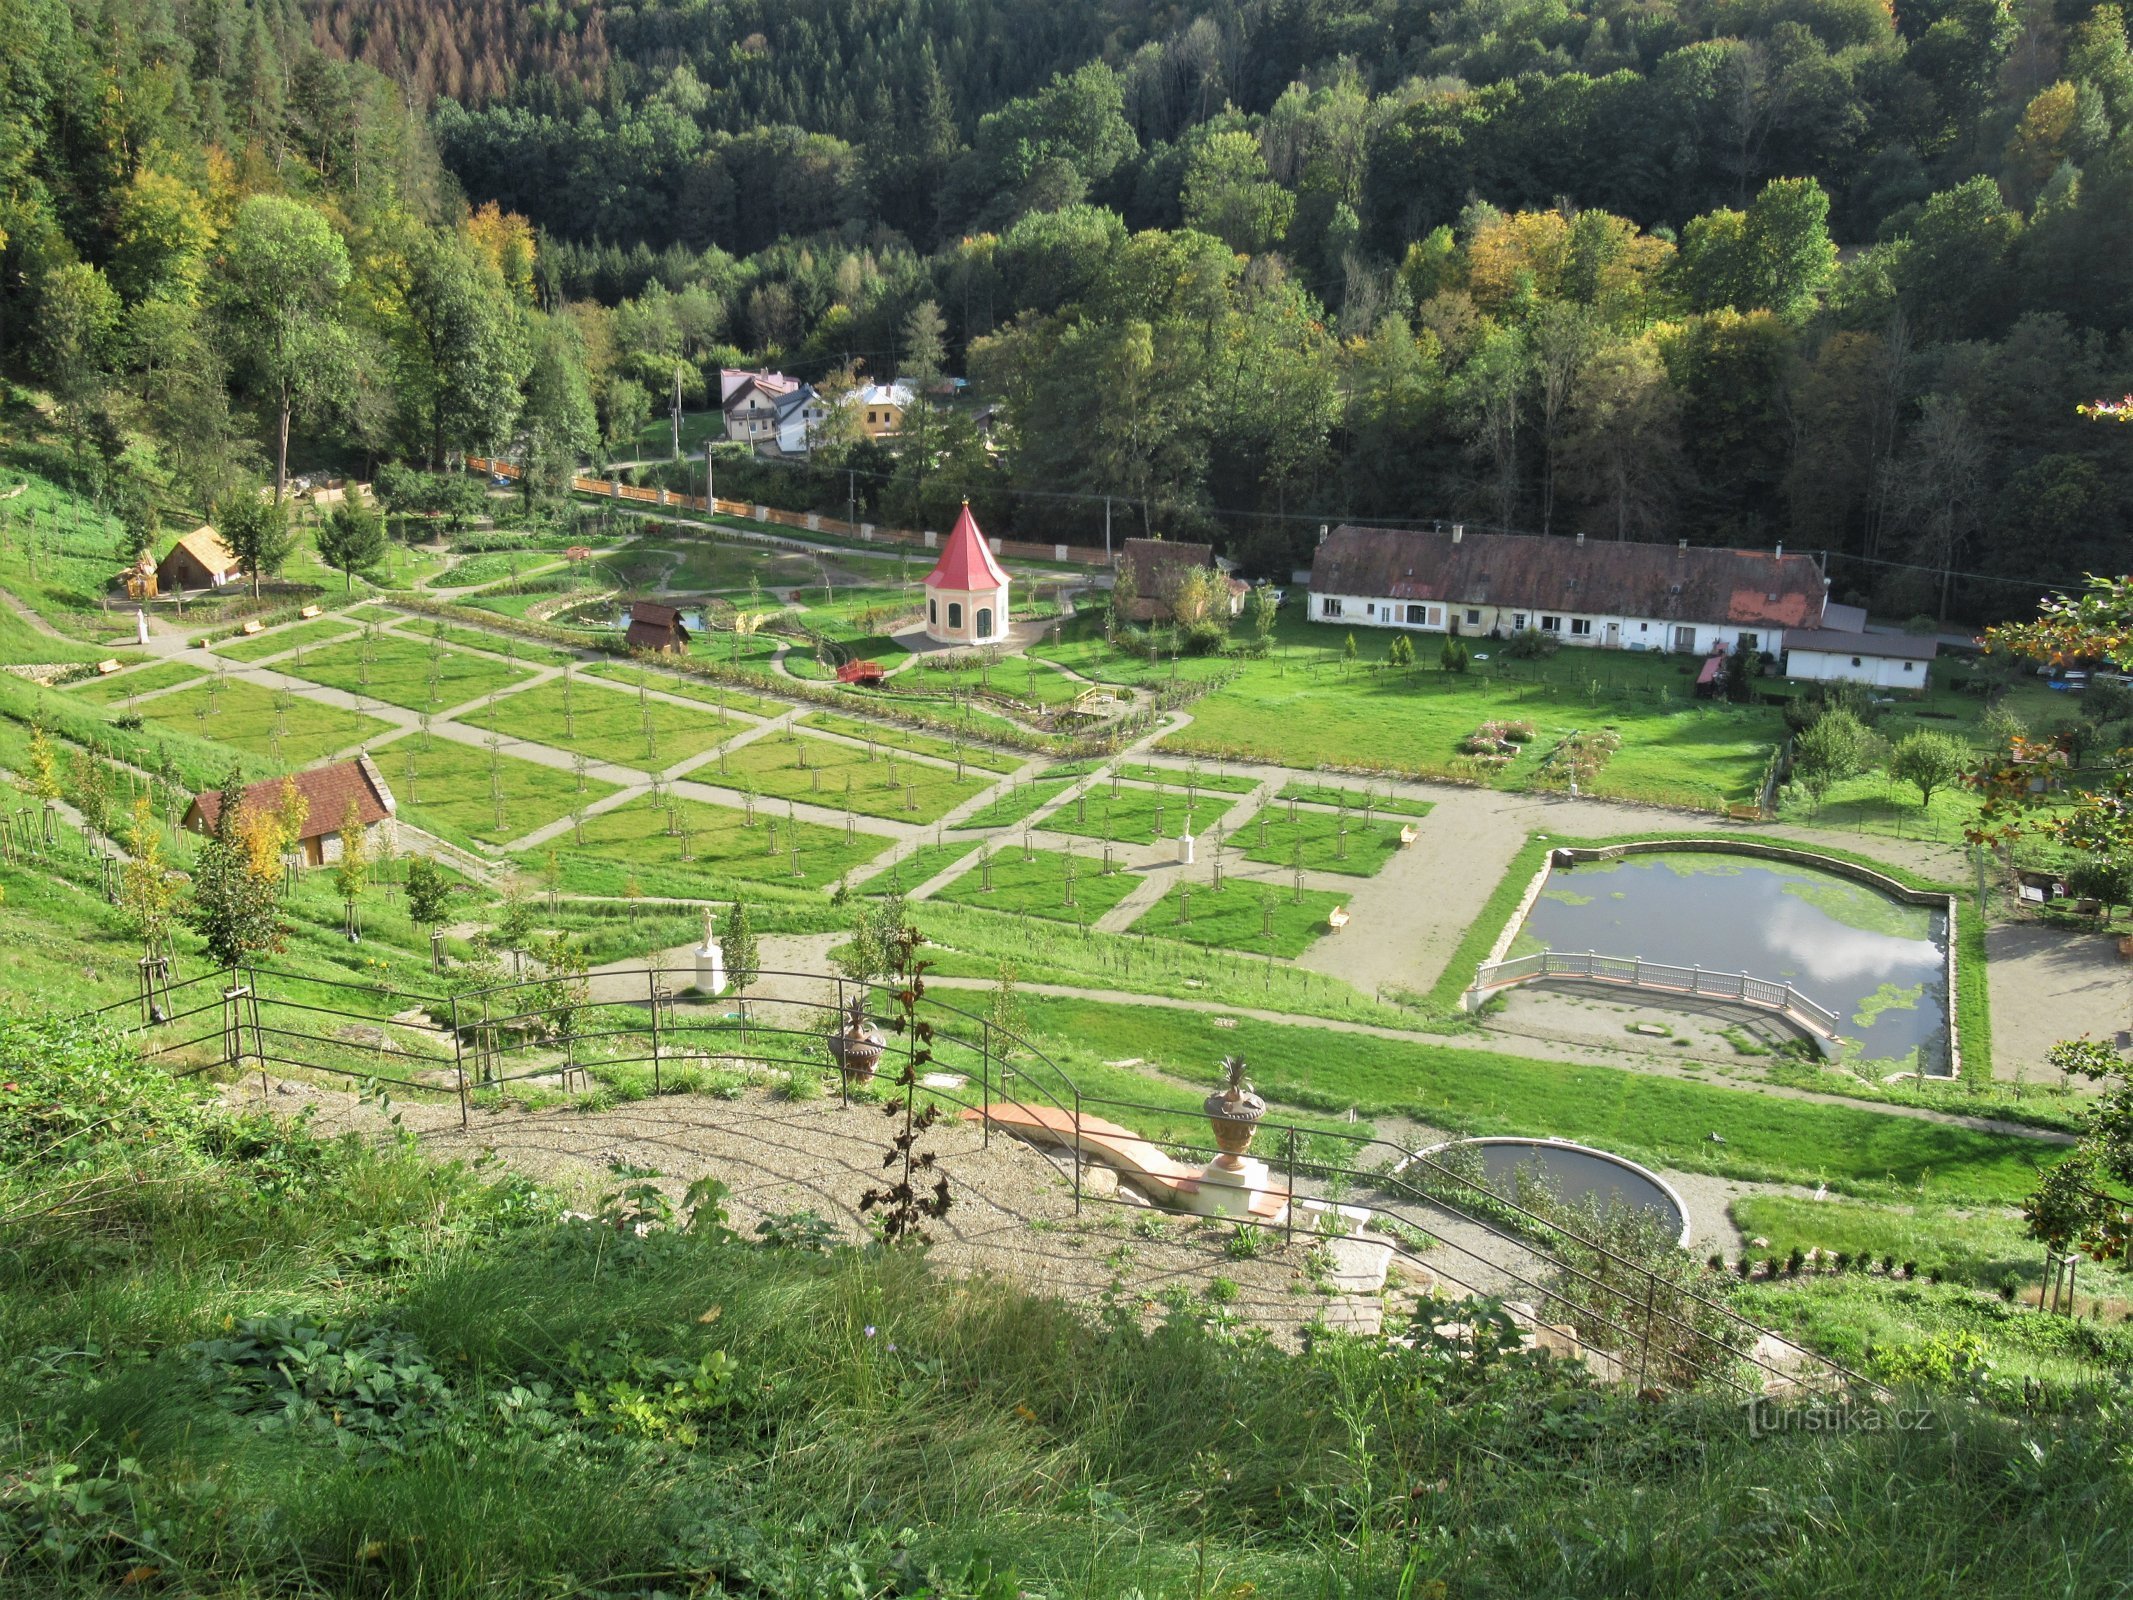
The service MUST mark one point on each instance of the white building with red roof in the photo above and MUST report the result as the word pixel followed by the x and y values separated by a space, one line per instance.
pixel 966 592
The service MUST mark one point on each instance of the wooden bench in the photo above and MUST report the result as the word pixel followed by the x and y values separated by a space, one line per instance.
pixel 308 613
pixel 1337 918
pixel 108 666
pixel 255 626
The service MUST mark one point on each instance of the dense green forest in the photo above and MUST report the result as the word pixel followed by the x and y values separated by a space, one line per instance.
pixel 1821 271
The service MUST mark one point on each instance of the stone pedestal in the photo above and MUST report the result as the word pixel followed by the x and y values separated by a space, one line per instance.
pixel 1223 1193
pixel 140 626
pixel 710 968
pixel 1185 849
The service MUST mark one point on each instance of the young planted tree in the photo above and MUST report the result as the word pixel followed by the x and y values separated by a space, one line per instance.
pixel 737 946
pixel 235 905
pixel 145 892
pixel 1928 760
pixel 429 893
pixel 257 532
pixel 351 540
pixel 351 873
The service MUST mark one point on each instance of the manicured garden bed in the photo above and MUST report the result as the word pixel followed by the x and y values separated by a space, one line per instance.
pixel 236 712
pixel 605 723
pixel 418 674
pixel 1037 887
pixel 1253 917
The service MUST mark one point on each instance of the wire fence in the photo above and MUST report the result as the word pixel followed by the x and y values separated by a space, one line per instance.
pixel 1632 1322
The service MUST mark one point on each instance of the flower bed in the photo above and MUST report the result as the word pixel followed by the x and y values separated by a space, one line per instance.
pixel 1497 742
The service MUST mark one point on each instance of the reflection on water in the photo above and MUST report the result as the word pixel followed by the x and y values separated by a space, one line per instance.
pixel 1877 963
pixel 692 620
pixel 1574 1175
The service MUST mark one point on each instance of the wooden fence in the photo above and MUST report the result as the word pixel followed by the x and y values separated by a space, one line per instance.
pixel 803 521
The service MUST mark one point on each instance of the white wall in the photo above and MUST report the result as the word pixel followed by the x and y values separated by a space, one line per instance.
pixel 1827 666
pixel 1371 611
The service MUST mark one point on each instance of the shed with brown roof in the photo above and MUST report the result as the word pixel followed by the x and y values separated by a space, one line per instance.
pixel 200 560
pixel 1157 567
pixel 655 627
pixel 1612 594
pixel 328 792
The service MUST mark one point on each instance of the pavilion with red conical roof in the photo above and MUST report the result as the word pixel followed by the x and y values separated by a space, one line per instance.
pixel 966 592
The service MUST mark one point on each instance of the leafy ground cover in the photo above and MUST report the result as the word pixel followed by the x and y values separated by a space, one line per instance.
pixel 562 1398
pixel 1253 917
pixel 139 680
pixel 711 848
pixel 605 723
pixel 287 637
pixel 234 711
pixel 418 674
pixel 447 787
pixel 1037 887
pixel 1324 841
pixel 973 754
pixel 838 774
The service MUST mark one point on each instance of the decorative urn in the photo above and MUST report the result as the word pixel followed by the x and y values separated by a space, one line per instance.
pixel 858 1045
pixel 1234 1113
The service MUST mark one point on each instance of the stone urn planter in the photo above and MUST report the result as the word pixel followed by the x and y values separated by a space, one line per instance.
pixel 1234 1112
pixel 857 1046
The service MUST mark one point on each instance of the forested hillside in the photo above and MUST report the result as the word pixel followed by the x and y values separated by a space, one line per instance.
pixel 1821 271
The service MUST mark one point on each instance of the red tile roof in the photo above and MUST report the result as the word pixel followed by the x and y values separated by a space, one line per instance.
pixel 327 789
pixel 967 562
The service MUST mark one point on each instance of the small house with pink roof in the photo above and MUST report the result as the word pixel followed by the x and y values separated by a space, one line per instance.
pixel 966 592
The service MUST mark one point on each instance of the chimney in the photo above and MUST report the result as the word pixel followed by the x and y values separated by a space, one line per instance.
pixel 1458 532
pixel 1780 551
pixel 1683 545
pixel 1321 533
pixel 1581 538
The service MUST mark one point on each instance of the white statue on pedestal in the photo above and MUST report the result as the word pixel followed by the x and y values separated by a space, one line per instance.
pixel 710 959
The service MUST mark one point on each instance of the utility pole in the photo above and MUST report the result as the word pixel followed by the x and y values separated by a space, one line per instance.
pixel 851 497
pixel 676 413
pixel 1107 530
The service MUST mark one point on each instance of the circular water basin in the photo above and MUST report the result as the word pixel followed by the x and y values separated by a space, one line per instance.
pixel 1576 1172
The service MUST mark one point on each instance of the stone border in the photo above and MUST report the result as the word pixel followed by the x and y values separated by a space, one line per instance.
pixel 1798 856
pixel 1538 1142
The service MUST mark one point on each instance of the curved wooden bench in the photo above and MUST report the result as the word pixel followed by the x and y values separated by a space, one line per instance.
pixel 1146 1163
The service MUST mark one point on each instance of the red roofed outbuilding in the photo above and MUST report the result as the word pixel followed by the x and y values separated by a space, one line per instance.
pixel 328 792
pixel 966 592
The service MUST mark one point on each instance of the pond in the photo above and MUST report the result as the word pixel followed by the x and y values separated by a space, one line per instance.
pixel 1572 1172
pixel 1878 963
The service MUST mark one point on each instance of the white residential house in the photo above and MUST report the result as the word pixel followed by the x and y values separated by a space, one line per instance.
pixel 1611 595
pixel 750 401
pixel 1883 660
pixel 800 416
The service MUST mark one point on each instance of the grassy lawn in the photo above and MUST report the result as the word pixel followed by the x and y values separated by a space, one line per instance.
pixel 275 641
pixel 922 744
pixel 1253 917
pixel 1271 836
pixel 241 714
pixel 124 685
pixel 497 644
pixel 605 723
pixel 916 865
pixel 1303 706
pixel 1030 678
pixel 1037 887
pixel 711 694
pixel 1192 777
pixel 447 788
pixel 1081 647
pixel 1129 812
pixel 416 673
pixel 495 566
pixel 56 558
pixel 841 774
pixel 1665 1121
pixel 631 844
pixel 716 564
pixel 1012 802
pixel 1980 1246
pixel 1333 794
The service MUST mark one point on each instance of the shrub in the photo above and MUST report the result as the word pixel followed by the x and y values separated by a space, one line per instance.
pixel 1455 657
pixel 1530 645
